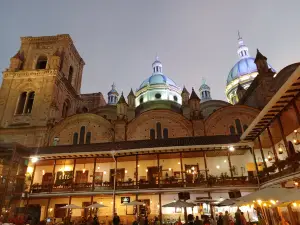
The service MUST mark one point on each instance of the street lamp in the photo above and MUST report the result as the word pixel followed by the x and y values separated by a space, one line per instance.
pixel 270 157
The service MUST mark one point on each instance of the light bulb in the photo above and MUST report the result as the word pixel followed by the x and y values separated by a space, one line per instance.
pixel 125 171
pixel 34 159
pixel 170 169
pixel 231 148
pixel 225 161
pixel 178 163
pixel 218 167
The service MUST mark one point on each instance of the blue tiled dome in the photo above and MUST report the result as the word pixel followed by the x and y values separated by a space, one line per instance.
pixel 243 67
pixel 157 79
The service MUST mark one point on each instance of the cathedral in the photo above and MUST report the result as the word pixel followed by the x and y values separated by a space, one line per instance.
pixel 157 144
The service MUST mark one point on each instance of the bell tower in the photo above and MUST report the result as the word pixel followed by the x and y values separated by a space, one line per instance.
pixel 42 84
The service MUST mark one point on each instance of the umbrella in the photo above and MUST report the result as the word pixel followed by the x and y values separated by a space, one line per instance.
pixel 179 204
pixel 96 206
pixel 71 206
pixel 134 203
pixel 227 202
pixel 275 193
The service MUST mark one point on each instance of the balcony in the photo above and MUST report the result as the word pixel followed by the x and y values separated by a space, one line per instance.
pixel 213 181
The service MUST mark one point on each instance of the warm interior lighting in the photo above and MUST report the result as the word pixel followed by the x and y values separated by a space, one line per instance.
pixel 270 158
pixel 294 204
pixel 265 204
pixel 29 169
pixel 295 131
pixel 178 163
pixel 146 170
pixel 193 168
pixel 101 202
pixel 280 151
pixel 231 148
pixel 296 183
pixel 138 165
pixel 34 159
pixel 98 167
pixel 43 171
pixel 50 209
pixel 170 169
pixel 104 172
pixel 218 167
pixel 83 170
pixel 126 171
pixel 273 202
pixel 259 201
pixel 225 161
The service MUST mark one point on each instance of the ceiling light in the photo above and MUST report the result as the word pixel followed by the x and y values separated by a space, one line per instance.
pixel 231 148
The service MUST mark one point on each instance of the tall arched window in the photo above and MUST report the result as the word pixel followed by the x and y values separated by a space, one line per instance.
pixel 29 104
pixel 166 133
pixel 41 63
pixel 238 126
pixel 232 130
pixel 21 103
pixel 75 138
pixel 70 76
pixel 82 135
pixel 66 108
pixel 152 134
pixel 88 138
pixel 158 130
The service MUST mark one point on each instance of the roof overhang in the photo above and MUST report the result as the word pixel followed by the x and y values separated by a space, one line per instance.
pixel 286 94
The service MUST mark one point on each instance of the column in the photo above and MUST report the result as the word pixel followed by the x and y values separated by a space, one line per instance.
pixel 181 169
pixel 94 173
pixel 262 153
pixel 230 166
pixel 47 207
pixel 53 175
pixel 256 166
pixel 69 210
pixel 137 171
pixel 160 208
pixel 92 202
pixel 272 143
pixel 205 164
pixel 32 178
pixel 158 166
pixel 73 180
pixel 283 136
pixel 115 185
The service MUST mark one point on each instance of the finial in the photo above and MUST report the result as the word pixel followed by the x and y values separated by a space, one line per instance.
pixel 239 35
pixel 113 86
pixel 156 57
pixel 203 80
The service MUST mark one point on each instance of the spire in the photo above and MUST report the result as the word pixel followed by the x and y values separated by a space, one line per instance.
pixel 259 56
pixel 243 51
pixel 131 93
pixel 122 99
pixel 156 66
pixel 184 90
pixel 194 95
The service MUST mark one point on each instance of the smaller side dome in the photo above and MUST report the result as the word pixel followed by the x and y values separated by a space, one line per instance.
pixel 112 95
pixel 204 91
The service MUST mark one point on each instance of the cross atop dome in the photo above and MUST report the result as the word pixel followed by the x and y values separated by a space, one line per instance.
pixel 243 51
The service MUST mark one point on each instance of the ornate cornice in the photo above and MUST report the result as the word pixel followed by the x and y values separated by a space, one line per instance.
pixel 29 74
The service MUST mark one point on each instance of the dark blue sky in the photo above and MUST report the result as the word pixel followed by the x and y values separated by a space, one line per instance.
pixel 194 39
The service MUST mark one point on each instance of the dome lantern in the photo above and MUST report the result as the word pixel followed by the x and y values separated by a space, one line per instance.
pixel 204 91
pixel 113 95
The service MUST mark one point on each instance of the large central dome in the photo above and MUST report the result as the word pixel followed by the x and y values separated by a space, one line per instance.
pixel 158 88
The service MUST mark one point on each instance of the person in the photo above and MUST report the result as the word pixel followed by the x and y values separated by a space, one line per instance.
pixel 237 217
pixel 116 219
pixel 156 221
pixel 179 221
pixel 190 219
pixel 96 222
pixel 197 221
pixel 220 219
pixel 206 220
pixel 243 219
pixel 226 218
pixel 146 221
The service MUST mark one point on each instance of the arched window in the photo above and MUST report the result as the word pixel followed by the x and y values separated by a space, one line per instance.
pixel 158 130
pixel 70 76
pixel 88 138
pixel 85 110
pixel 75 138
pixel 245 127
pixel 21 103
pixel 238 126
pixel 232 130
pixel 82 135
pixel 166 133
pixel 66 108
pixel 41 63
pixel 152 134
pixel 29 103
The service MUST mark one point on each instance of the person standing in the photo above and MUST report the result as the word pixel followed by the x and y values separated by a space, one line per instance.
pixel 116 219
pixel 237 217
pixel 226 218
pixel 197 221
pixel 243 219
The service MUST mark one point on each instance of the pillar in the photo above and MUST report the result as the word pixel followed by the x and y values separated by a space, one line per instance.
pixel 53 175
pixel 47 208
pixel 283 136
pixel 160 208
pixel 32 178
pixel 205 164
pixel 262 153
pixel 181 169
pixel 92 202
pixel 94 173
pixel 69 210
pixel 272 143
pixel 230 166
pixel 256 166
pixel 137 171
pixel 158 166
pixel 74 166
pixel 115 185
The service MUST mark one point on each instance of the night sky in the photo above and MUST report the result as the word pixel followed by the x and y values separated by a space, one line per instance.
pixel 119 40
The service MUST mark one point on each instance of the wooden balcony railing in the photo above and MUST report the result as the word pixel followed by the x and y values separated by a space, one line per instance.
pixel 143 184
